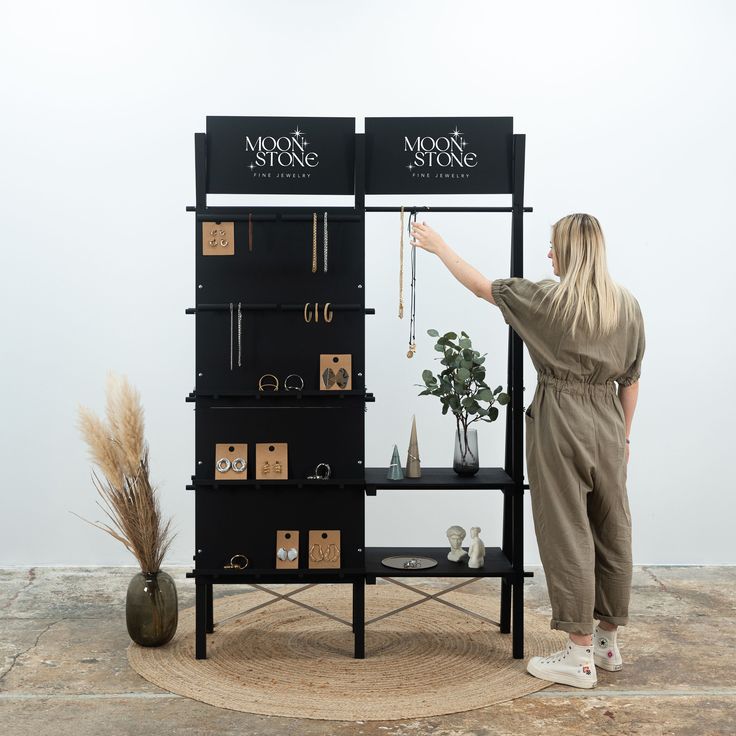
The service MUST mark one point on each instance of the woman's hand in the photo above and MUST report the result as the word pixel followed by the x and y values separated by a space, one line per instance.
pixel 424 237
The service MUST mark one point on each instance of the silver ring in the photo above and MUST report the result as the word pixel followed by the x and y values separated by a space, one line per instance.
pixel 223 465
pixel 325 473
pixel 241 565
pixel 239 465
pixel 293 388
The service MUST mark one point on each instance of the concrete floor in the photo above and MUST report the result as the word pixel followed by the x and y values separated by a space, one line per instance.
pixel 63 639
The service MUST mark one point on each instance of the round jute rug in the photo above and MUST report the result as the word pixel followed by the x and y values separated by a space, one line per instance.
pixel 284 660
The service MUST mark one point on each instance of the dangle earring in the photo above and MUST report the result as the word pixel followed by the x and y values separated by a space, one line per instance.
pixel 401 266
pixel 413 302
pixel 314 242
pixel 324 255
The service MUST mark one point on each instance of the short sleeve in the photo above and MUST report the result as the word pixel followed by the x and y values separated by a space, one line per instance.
pixel 519 301
pixel 637 346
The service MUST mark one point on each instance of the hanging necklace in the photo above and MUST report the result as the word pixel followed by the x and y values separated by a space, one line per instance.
pixel 401 266
pixel 324 255
pixel 314 242
pixel 413 300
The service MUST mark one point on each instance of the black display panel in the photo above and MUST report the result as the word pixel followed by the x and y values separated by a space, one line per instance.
pixel 284 155
pixel 447 155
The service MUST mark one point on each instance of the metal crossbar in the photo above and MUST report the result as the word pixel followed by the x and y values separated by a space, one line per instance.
pixel 289 598
pixel 434 597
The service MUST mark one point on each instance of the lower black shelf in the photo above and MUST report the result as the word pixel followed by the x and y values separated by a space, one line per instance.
pixel 495 563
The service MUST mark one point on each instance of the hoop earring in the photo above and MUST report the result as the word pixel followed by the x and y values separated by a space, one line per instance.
pixel 326 308
pixel 262 385
pixel 306 310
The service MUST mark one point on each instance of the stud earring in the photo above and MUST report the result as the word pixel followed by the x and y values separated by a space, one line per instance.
pixel 276 467
pixel 266 468
pixel 292 554
pixel 281 554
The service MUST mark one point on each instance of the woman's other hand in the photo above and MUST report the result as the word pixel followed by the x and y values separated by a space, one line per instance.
pixel 424 237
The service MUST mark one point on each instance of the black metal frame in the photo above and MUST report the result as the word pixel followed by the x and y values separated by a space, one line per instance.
pixel 361 566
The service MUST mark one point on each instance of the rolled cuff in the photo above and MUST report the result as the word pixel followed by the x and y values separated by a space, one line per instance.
pixel 628 380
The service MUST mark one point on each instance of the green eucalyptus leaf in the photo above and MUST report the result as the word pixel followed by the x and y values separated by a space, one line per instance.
pixel 451 335
pixel 428 376
pixel 493 413
pixel 503 399
pixel 485 394
pixel 433 333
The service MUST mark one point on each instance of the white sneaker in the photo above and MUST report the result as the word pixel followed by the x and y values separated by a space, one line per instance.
pixel 573 665
pixel 605 650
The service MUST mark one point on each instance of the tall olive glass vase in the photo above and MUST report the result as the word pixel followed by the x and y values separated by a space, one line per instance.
pixel 151 608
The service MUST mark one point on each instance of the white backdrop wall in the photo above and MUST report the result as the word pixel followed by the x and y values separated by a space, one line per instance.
pixel 629 115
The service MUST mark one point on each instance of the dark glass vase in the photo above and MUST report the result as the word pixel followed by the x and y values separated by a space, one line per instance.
pixel 466 452
pixel 151 608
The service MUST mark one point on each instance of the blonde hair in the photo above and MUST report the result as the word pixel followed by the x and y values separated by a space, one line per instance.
pixel 586 295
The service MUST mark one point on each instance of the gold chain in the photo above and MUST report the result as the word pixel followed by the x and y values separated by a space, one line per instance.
pixel 314 242
pixel 401 267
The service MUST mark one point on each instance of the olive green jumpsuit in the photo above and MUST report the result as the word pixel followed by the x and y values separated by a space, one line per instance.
pixel 576 456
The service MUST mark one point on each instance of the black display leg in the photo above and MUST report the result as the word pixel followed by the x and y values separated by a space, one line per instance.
pixel 506 584
pixel 201 621
pixel 517 630
pixel 210 611
pixel 359 618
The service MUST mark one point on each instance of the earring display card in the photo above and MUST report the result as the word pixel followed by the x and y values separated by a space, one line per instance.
pixel 231 461
pixel 324 548
pixel 287 540
pixel 218 238
pixel 335 372
pixel 272 461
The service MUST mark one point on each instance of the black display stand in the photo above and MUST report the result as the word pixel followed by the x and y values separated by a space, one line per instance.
pixel 272 282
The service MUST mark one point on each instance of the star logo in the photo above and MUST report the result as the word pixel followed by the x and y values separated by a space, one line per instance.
pixel 456 132
pixel 296 132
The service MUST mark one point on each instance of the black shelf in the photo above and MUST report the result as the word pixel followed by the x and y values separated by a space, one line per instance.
pixel 495 564
pixel 438 479
pixel 268 395
pixel 288 483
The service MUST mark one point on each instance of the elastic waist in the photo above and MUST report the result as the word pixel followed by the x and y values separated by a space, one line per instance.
pixel 577 387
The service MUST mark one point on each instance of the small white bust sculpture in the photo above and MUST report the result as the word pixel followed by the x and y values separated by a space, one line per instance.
pixel 455 535
pixel 477 550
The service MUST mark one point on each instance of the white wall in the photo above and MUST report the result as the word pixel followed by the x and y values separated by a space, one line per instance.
pixel 629 114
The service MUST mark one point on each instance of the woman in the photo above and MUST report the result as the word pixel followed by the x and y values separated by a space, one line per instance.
pixel 584 334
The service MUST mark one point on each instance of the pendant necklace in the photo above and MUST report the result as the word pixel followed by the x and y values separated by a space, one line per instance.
pixel 401 266
pixel 413 302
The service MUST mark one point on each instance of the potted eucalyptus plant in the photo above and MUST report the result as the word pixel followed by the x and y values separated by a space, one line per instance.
pixel 462 389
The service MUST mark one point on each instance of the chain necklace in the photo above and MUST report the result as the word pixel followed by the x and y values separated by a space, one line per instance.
pixel 413 301
pixel 401 266
pixel 324 266
pixel 314 242
pixel 240 322
pixel 231 335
